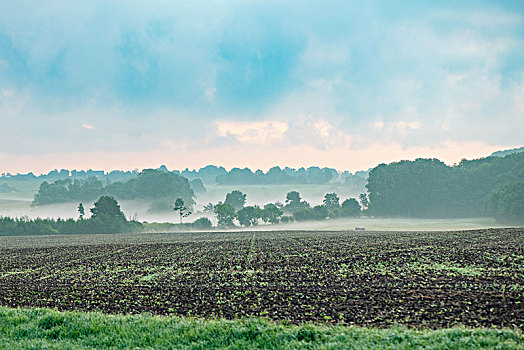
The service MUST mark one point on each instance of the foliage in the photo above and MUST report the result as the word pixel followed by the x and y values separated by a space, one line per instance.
pixel 318 212
pixel 81 210
pixel 271 213
pixel 236 199
pixel 209 208
pixel 38 226
pixel 364 200
pixel 153 184
pixel 350 208
pixel 197 186
pixel 427 188
pixel 287 219
pixel 506 203
pixel 225 214
pixel 149 184
pixel 331 201
pixel 183 211
pixel 248 216
pixel 202 224
pixel 277 176
pixel 294 202
pixel 107 207
pixel 106 218
pixel 68 190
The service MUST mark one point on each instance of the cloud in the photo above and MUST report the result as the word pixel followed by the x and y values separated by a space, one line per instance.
pixel 392 126
pixel 199 76
pixel 253 132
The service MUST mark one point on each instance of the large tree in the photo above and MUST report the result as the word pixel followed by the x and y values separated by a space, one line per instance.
pixel 236 199
pixel 294 202
pixel 107 207
pixel 351 208
pixel 331 201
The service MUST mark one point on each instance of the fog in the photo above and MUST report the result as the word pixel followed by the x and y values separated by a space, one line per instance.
pixel 386 224
pixel 18 204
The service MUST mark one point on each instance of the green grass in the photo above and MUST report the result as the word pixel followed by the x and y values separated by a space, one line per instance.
pixel 49 329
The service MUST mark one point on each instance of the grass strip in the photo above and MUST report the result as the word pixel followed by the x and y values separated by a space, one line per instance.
pixel 49 329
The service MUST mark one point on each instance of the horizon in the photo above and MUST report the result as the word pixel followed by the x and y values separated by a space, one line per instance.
pixel 182 169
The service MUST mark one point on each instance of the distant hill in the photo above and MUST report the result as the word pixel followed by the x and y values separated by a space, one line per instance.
pixel 508 151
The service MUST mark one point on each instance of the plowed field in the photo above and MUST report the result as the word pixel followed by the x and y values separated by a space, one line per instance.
pixel 429 279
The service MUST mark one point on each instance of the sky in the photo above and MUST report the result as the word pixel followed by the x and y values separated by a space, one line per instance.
pixel 345 84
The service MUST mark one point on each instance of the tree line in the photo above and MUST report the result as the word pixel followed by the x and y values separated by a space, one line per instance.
pixel 428 188
pixel 233 209
pixel 106 217
pixel 149 184
pixel 210 174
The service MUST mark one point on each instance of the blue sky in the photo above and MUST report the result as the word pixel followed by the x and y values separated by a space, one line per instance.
pixel 243 83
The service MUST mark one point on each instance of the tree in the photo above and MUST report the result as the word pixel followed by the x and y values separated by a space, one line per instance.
pixel 364 200
pixel 181 208
pixel 209 208
pixel 249 215
pixel 202 224
pixel 236 199
pixel 294 202
pixel 331 201
pixel 302 214
pixel 197 186
pixel 154 184
pixel 81 210
pixel 271 213
pixel 318 212
pixel 107 207
pixel 225 214
pixel 350 208
pixel 506 203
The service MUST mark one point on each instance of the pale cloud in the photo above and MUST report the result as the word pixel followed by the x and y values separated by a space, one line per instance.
pixel 406 125
pixel 323 127
pixel 378 124
pixel 88 126
pixel 253 132
pixel 395 126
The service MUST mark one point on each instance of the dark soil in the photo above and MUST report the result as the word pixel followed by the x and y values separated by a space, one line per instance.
pixel 473 278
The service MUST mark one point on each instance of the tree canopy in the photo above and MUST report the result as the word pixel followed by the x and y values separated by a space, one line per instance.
pixel 150 184
pixel 506 203
pixel 428 188
pixel 236 199
pixel 225 214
